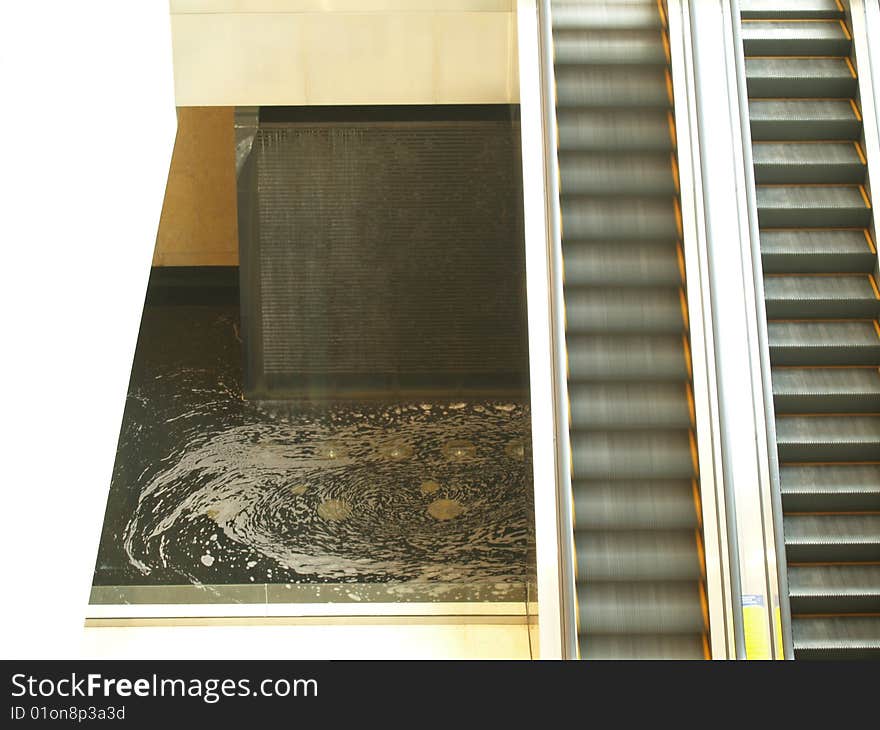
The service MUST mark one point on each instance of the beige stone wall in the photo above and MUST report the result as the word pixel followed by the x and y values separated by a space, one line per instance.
pixel 293 52
pixel 199 219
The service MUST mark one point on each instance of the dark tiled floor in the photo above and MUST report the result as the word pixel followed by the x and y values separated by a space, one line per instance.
pixel 209 489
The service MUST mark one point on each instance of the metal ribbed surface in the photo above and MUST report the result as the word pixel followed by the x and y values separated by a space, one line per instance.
pixel 637 534
pixel 387 253
pixel 822 302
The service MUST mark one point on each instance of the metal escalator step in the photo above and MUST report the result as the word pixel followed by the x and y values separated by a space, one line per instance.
pixel 795 38
pixel 836 637
pixel 809 206
pixel 790 77
pixel 834 588
pixel 605 16
pixel 597 86
pixel 830 487
pixel 816 250
pixel 642 647
pixel 644 555
pixel 803 119
pixel 631 455
pixel 801 296
pixel 616 174
pixel 808 162
pixel 622 263
pixel 587 130
pixel 824 343
pixel 790 9
pixel 621 406
pixel 640 608
pixel 601 47
pixel 635 505
pixel 853 437
pixel 619 218
pixel 826 390
pixel 626 357
pixel 623 310
pixel 831 538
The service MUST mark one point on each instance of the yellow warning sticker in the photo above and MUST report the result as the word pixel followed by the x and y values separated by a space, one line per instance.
pixel 757 632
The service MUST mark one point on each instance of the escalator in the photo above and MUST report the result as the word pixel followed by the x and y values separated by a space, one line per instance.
pixel 822 301
pixel 640 572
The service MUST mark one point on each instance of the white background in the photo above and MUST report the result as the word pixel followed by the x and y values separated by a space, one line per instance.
pixel 88 124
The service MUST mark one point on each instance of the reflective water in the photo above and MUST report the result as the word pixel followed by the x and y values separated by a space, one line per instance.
pixel 211 489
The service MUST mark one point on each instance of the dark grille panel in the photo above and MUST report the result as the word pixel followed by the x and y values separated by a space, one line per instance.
pixel 386 254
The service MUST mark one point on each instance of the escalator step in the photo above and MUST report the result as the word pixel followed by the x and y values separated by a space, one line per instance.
pixel 647 357
pixel 606 174
pixel 836 637
pixel 830 487
pixel 604 16
pixel 637 505
pixel 632 455
pixel 622 263
pixel 816 250
pixel 607 131
pixel 790 9
pixel 795 38
pixel 832 537
pixel 623 310
pixel 640 608
pixel 853 437
pixel 622 406
pixel 643 555
pixel 599 47
pixel 804 119
pixel 834 588
pixel 790 77
pixel 820 295
pixel 606 219
pixel 826 390
pixel 597 86
pixel 808 162
pixel 824 343
pixel 807 206
pixel 642 647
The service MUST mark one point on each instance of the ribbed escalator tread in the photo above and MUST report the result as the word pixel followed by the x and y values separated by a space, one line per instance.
pixel 849 437
pixel 836 637
pixel 826 390
pixel 600 130
pixel 626 47
pixel 598 16
pixel 594 173
pixel 830 487
pixel 625 310
pixel 781 76
pixel 640 607
pixel 813 538
pixel 618 218
pixel 623 264
pixel 626 357
pixel 808 162
pixel 604 86
pixel 801 37
pixel 632 455
pixel 805 296
pixel 808 206
pixel 790 9
pixel 799 251
pixel 639 555
pixel 828 588
pixel 803 119
pixel 624 406
pixel 644 504
pixel 824 342
pixel 642 647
